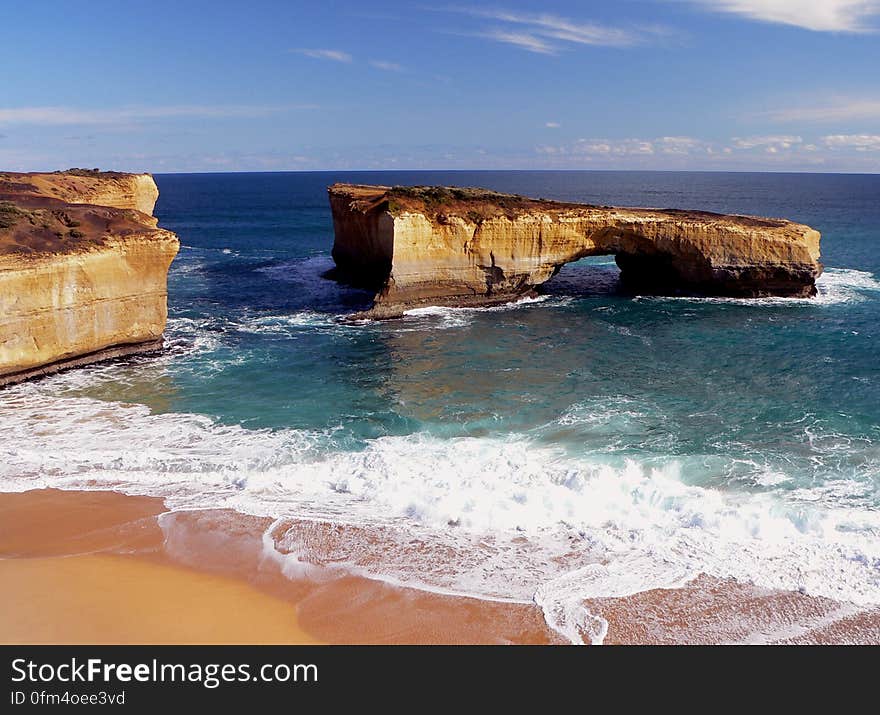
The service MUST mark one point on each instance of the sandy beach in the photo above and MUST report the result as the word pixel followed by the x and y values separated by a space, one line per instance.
pixel 95 567
pixel 84 567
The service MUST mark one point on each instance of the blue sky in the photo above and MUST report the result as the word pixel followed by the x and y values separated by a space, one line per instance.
pixel 779 85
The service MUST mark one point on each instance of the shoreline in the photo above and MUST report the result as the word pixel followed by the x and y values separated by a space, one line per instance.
pixel 131 575
pixel 126 580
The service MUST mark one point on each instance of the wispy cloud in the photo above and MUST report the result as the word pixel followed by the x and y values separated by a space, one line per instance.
pixel 549 34
pixel 836 152
pixel 681 147
pixel 677 145
pixel 59 116
pixel 523 40
pixel 334 55
pixel 840 109
pixel 386 66
pixel 772 143
pixel 859 142
pixel 552 125
pixel 601 148
pixel 817 15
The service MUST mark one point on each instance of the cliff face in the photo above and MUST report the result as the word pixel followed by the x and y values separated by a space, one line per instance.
pixel 436 245
pixel 79 282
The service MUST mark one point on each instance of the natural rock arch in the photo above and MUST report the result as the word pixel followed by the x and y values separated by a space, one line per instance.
pixel 448 246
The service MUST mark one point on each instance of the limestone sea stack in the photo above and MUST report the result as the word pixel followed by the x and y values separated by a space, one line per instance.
pixel 434 245
pixel 83 270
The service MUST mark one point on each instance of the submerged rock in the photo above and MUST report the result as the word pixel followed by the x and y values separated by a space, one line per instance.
pixel 465 247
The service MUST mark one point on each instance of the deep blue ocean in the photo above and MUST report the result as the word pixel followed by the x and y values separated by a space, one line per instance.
pixel 586 443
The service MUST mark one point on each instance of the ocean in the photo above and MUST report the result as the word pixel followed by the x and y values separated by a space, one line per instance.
pixel 582 444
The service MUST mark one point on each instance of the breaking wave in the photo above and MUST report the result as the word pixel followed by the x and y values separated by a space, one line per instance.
pixel 513 518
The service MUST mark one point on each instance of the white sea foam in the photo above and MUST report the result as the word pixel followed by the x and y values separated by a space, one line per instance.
pixel 438 316
pixel 445 311
pixel 434 317
pixel 190 336
pixel 502 518
pixel 562 599
pixel 285 323
pixel 617 411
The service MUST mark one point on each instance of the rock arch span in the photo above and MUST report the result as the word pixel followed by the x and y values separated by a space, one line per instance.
pixel 463 247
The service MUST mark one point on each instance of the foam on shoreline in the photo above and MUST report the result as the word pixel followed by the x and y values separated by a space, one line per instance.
pixel 509 518
pixel 493 518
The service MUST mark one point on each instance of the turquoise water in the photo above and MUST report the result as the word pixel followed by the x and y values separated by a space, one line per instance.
pixel 585 443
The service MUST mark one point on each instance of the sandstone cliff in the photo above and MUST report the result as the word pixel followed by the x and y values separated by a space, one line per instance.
pixel 88 186
pixel 448 246
pixel 83 270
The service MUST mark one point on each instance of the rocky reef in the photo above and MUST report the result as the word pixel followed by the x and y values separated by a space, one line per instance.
pixel 83 270
pixel 462 246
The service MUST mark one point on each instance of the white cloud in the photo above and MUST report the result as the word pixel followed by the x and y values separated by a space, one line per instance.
pixel 839 109
pixel 387 66
pixel 834 152
pixel 615 147
pixel 552 125
pixel 522 40
pixel 690 149
pixel 817 15
pixel 560 28
pixel 626 150
pixel 859 142
pixel 548 34
pixel 335 55
pixel 59 116
pixel 680 145
pixel 772 143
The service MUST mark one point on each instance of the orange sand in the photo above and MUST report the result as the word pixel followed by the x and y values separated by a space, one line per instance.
pixel 80 567
pixel 118 599
pixel 96 567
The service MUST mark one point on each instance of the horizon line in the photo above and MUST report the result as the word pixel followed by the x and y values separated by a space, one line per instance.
pixel 560 171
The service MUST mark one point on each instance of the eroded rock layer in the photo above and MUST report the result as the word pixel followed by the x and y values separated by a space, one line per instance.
pixel 451 246
pixel 79 282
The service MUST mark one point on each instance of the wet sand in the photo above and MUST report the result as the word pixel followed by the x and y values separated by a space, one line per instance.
pixel 96 567
pixel 99 567
pixel 709 611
